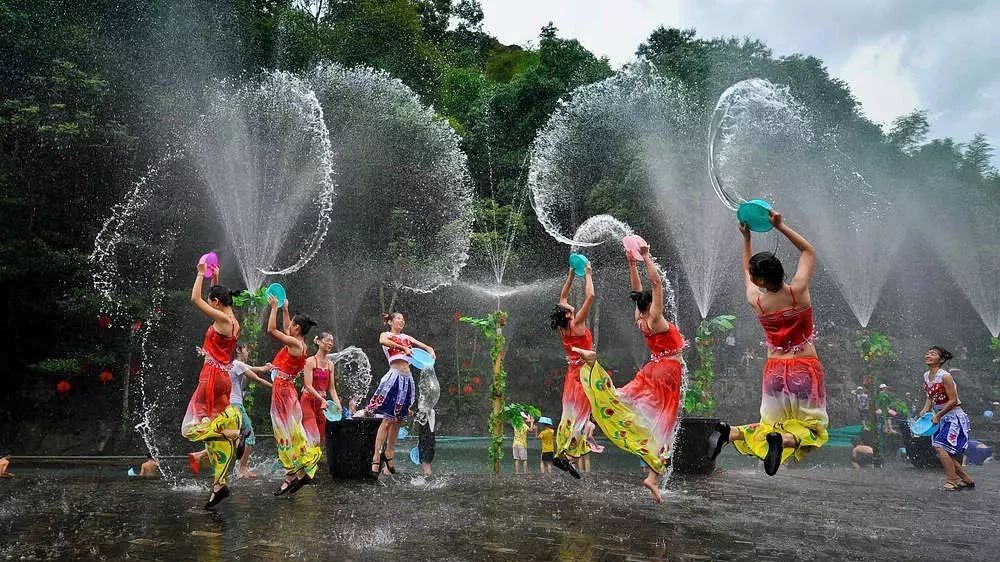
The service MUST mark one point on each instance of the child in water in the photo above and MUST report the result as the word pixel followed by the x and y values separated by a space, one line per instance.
pixel 547 436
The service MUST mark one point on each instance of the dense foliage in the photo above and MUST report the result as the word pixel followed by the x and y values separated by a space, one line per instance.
pixel 91 93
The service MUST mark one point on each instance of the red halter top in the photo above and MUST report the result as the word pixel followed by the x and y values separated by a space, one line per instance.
pixel 288 364
pixel 788 330
pixel 586 341
pixel 662 344
pixel 321 378
pixel 934 388
pixel 219 348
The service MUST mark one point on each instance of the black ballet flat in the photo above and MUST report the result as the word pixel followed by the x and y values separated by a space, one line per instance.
pixel 217 497
pixel 285 486
pixel 297 484
pixel 564 465
pixel 387 461
pixel 718 439
pixel 773 458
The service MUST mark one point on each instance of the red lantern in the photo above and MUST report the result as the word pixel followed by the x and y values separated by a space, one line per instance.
pixel 476 380
pixel 104 320
pixel 106 376
pixel 157 310
pixel 136 326
pixel 457 316
pixel 467 389
pixel 452 390
pixel 62 387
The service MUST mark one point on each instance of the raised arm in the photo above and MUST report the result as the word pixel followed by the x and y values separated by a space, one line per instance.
pixel 333 384
pixel 567 287
pixel 747 254
pixel 655 283
pixel 633 272
pixel 286 318
pixel 807 257
pixel 588 299
pixel 272 325
pixel 217 316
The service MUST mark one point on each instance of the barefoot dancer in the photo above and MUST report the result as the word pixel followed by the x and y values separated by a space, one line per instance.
pixel 641 417
pixel 394 395
pixel 297 456
pixel 318 376
pixel 575 406
pixel 952 436
pixel 793 418
pixel 209 418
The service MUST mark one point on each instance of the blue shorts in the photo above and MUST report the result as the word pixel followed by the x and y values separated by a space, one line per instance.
pixel 953 433
pixel 246 431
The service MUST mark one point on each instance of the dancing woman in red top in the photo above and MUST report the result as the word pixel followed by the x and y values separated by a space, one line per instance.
pixel 209 417
pixel 793 418
pixel 318 376
pixel 575 336
pixel 641 417
pixel 299 458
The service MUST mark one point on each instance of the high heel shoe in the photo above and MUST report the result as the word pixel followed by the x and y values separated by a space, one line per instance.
pixel 376 471
pixel 217 496
pixel 387 461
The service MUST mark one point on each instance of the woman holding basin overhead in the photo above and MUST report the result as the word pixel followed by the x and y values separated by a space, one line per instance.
pixel 793 419
pixel 575 335
pixel 299 458
pixel 394 395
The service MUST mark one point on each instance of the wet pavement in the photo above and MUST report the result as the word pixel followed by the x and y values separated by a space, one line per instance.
pixel 740 514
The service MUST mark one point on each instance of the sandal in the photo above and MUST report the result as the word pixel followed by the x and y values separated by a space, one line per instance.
pixel 285 486
pixel 718 439
pixel 217 496
pixel 772 460
pixel 951 487
pixel 963 485
pixel 375 471
pixel 387 461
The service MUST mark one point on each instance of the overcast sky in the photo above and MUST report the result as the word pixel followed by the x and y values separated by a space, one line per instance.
pixel 896 55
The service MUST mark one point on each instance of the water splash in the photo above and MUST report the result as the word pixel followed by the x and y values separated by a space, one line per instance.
pixel 264 152
pixel 405 216
pixel 753 122
pixel 430 392
pixel 354 372
pixel 117 228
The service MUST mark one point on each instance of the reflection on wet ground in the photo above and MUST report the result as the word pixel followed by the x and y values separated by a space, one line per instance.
pixel 822 513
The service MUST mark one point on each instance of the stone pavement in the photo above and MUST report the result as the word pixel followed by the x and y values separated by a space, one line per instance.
pixel 803 514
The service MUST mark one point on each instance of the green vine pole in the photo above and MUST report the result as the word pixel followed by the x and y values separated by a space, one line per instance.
pixel 492 329
pixel 876 351
pixel 698 397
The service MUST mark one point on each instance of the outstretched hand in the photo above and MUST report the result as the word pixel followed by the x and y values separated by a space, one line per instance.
pixel 744 230
pixel 202 268
pixel 644 250
pixel 628 256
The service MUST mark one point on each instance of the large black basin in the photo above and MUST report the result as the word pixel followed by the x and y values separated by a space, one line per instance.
pixel 350 444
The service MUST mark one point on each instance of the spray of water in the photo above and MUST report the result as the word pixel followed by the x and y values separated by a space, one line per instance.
pixel 354 372
pixel 264 153
pixel 118 228
pixel 430 392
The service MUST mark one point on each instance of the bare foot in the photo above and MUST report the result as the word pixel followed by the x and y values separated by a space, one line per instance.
pixel 651 483
pixel 247 474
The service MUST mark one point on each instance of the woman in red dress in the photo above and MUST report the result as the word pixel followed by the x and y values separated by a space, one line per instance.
pixel 209 418
pixel 318 376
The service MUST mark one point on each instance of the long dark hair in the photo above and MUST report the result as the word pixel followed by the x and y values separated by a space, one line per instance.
pixel 222 294
pixel 557 318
